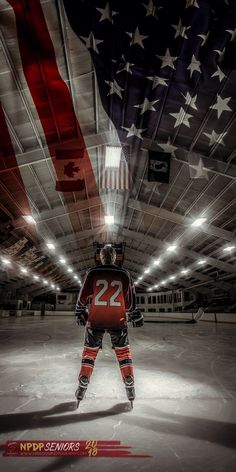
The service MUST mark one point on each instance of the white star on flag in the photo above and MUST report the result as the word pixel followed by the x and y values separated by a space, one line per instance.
pixel 167 60
pixel 146 106
pixel 221 105
pixel 127 66
pixel 190 100
pixel 194 66
pixel 114 88
pixel 133 131
pixel 200 172
pixel 204 38
pixel 191 3
pixel 137 38
pixel 219 73
pixel 221 54
pixel 106 13
pixel 216 138
pixel 233 34
pixel 168 147
pixel 91 42
pixel 150 8
pixel 180 30
pixel 157 81
pixel 182 118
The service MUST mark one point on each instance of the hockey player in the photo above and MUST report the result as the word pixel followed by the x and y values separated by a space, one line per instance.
pixel 113 295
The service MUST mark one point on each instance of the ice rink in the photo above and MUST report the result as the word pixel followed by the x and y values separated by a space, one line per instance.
pixel 183 417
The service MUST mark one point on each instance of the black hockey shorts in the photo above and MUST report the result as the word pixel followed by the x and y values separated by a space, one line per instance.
pixel 94 337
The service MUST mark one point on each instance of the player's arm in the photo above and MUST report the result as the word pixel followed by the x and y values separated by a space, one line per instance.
pixel 81 312
pixel 134 314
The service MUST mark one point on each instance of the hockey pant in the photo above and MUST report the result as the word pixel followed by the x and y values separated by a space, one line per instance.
pixel 120 343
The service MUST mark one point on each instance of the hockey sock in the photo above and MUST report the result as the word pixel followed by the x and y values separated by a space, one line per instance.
pixel 124 358
pixel 88 358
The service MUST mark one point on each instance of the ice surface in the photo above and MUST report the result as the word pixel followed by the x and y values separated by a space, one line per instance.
pixel 183 416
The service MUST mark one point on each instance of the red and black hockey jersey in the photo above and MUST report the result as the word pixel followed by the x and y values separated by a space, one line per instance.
pixel 112 293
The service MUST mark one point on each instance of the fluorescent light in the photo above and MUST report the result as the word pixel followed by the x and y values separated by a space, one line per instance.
pixel 147 271
pixel 52 285
pixel 135 283
pixel 171 248
pixel 229 248
pixel 199 221
pixel 58 288
pixel 149 289
pixel 69 269
pixel 75 277
pixel 156 286
pixel 184 271
pixel 62 260
pixel 140 278
pixel 202 261
pixel 45 282
pixel 156 262
pixel 29 219
pixel 6 261
pixel 24 270
pixel 172 277
pixel 36 277
pixel 51 246
pixel 109 219
pixel 112 156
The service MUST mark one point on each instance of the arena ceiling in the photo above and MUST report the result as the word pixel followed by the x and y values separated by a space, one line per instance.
pixel 143 76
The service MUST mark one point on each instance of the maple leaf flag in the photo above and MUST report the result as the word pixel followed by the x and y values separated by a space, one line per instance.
pixel 69 169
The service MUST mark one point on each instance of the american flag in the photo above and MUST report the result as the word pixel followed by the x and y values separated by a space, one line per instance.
pixel 165 69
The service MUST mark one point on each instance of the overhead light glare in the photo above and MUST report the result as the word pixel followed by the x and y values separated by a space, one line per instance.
pixel 146 271
pixel 52 285
pixel 149 289
pixel 229 248
pixel 6 261
pixel 62 260
pixel 171 248
pixel 156 286
pixel 140 278
pixel 69 269
pixel 58 289
pixel 75 277
pixel 184 271
pixel 45 282
pixel 29 219
pixel 202 261
pixel 109 219
pixel 51 246
pixel 156 262
pixel 199 221
pixel 172 277
pixel 112 156
pixel 24 270
pixel 36 277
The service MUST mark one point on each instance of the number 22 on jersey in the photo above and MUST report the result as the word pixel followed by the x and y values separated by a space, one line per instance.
pixel 112 301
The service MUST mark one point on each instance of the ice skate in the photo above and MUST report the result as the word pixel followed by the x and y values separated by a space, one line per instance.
pixel 80 392
pixel 130 391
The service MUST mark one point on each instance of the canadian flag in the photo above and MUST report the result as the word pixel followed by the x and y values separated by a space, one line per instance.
pixel 69 167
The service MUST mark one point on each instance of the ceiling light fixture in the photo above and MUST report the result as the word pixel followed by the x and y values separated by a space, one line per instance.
pixel 172 277
pixel 52 285
pixel 202 261
pixel 184 271
pixel 58 288
pixel 29 219
pixel 51 246
pixel 112 156
pixel 24 270
pixel 69 269
pixel 109 219
pixel 45 282
pixel 36 277
pixel 229 248
pixel 156 262
pixel 75 277
pixel 199 221
pixel 146 271
pixel 171 248
pixel 149 289
pixel 62 260
pixel 6 261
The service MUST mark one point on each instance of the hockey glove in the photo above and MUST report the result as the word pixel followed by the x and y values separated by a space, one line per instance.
pixel 136 318
pixel 81 316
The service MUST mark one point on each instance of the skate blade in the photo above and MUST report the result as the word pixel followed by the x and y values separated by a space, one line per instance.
pixel 131 404
pixel 77 403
